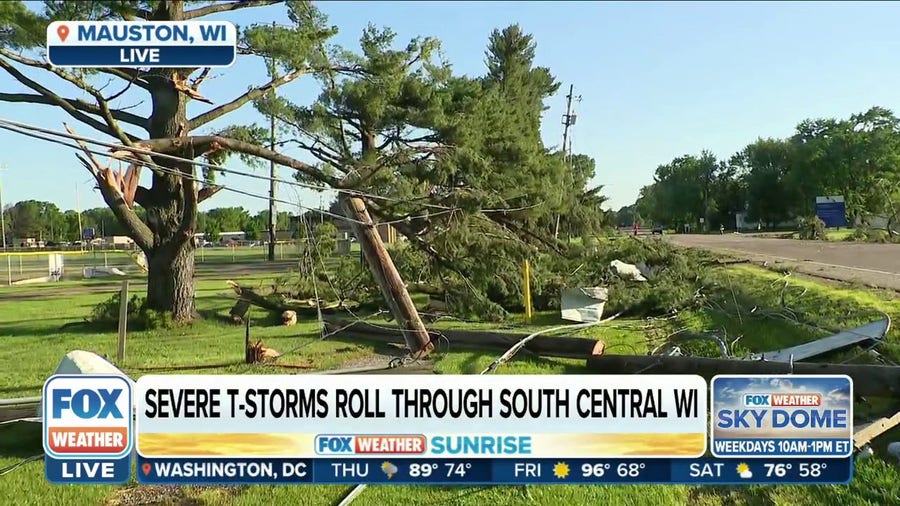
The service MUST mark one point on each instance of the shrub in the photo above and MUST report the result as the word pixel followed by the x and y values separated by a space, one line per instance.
pixel 139 317
pixel 811 228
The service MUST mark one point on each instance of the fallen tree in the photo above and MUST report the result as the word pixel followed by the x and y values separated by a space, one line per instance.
pixel 868 380
pixel 560 347
pixel 275 302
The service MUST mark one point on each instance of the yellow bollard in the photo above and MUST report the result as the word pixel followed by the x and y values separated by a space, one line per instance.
pixel 526 276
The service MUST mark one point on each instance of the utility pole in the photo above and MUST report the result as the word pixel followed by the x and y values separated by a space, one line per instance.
pixel 80 229
pixel 273 217
pixel 385 272
pixel 568 121
pixel 273 214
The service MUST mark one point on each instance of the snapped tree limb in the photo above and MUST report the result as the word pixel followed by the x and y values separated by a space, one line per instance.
pixel 115 198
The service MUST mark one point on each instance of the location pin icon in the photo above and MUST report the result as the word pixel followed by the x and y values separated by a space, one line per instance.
pixel 63 32
pixel 145 467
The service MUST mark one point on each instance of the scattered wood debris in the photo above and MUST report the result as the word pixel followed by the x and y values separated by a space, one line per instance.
pixel 239 311
pixel 258 353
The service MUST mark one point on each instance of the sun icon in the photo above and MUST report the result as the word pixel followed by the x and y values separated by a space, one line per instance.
pixel 561 470
pixel 743 471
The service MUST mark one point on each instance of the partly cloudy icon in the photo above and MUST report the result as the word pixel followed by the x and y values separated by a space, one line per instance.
pixel 743 471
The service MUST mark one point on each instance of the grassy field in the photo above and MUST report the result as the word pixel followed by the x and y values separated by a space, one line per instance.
pixel 34 336
pixel 20 265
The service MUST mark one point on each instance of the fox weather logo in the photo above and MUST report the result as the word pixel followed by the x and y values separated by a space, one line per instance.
pixel 786 416
pixel 87 416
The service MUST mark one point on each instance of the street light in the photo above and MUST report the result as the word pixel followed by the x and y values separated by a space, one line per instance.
pixel 3 233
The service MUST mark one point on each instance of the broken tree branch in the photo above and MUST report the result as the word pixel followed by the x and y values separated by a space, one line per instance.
pixel 114 197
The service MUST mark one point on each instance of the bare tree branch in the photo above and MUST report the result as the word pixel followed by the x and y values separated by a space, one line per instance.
pixel 62 103
pixel 103 105
pixel 212 114
pixel 198 145
pixel 226 6
pixel 126 117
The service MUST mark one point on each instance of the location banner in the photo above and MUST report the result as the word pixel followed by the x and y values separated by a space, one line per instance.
pixel 141 44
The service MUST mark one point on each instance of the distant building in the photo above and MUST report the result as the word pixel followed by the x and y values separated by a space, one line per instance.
pixel 118 240
pixel 27 242
pixel 232 236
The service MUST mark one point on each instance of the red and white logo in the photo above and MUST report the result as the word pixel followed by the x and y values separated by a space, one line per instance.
pixel 87 416
pixel 370 444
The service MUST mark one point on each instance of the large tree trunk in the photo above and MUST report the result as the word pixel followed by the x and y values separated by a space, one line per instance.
pixel 170 281
pixel 171 202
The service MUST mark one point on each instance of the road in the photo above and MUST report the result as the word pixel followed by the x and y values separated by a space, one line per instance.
pixel 872 264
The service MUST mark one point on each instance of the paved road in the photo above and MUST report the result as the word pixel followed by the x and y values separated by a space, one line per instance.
pixel 872 264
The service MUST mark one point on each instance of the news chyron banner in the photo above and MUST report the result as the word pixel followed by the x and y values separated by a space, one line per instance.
pixel 343 429
pixel 787 416
pixel 141 44
pixel 447 429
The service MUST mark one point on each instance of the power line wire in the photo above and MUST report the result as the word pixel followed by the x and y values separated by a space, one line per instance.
pixel 6 124
pixel 120 147
pixel 168 170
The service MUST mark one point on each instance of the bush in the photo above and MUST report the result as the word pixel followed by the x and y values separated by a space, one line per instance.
pixel 859 234
pixel 106 314
pixel 879 236
pixel 811 228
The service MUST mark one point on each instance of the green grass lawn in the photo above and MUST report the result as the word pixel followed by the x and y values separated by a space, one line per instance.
pixel 32 341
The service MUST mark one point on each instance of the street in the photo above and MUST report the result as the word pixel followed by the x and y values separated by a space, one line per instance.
pixel 869 263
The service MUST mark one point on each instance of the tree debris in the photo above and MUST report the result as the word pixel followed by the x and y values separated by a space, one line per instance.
pixel 560 347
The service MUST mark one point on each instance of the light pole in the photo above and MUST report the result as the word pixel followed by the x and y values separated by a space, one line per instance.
pixel 3 233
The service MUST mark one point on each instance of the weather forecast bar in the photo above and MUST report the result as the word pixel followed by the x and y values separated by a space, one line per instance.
pixel 493 471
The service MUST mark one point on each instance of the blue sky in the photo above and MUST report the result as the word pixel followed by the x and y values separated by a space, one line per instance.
pixel 657 80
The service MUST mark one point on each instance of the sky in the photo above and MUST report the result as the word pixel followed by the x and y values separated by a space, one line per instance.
pixel 657 80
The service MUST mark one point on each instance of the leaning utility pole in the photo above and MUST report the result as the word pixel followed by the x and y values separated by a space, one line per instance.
pixel 385 272
pixel 568 121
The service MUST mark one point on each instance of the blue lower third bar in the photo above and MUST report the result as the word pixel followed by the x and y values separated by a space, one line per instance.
pixel 781 447
pixel 87 471
pixel 424 471
pixel 141 56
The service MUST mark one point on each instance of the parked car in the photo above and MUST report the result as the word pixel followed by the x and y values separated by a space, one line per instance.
pixel 658 230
